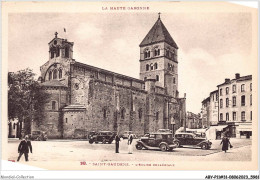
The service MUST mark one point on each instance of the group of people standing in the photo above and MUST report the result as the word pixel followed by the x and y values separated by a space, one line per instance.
pixel 129 143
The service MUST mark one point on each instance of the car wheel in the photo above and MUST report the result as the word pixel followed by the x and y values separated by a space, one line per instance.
pixel 204 146
pixel 139 146
pixel 177 144
pixel 90 141
pixel 96 142
pixel 104 141
pixel 163 147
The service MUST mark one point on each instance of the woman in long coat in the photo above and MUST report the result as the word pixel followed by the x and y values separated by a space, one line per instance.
pixel 225 141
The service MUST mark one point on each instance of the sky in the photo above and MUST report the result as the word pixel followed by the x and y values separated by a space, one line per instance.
pixel 212 46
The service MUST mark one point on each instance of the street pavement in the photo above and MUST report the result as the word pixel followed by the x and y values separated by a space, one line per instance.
pixel 81 150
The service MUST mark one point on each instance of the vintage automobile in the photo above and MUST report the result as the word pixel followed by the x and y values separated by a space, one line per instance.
pixel 102 136
pixel 190 139
pixel 126 134
pixel 38 136
pixel 152 141
pixel 91 134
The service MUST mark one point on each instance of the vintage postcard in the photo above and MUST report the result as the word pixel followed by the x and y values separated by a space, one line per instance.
pixel 130 85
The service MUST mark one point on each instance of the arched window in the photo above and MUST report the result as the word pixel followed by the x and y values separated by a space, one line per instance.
pixel 14 126
pixel 145 78
pixel 66 52
pixel 60 73
pixel 147 67
pixel 167 52
pixel 147 53
pixel 50 75
pixel 156 51
pixel 104 113
pixel 123 113
pixel 55 74
pixel 53 105
pixel 174 81
pixel 157 78
pixel 172 68
pixel 52 54
pixel 155 66
pixel 140 113
pixel 151 66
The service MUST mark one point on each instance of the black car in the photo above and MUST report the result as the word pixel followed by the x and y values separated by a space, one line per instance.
pixel 191 139
pixel 102 136
pixel 163 141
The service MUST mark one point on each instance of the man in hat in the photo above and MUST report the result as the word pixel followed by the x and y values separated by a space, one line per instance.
pixel 117 139
pixel 23 148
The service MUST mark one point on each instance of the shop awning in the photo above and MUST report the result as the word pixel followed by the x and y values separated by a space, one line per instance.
pixel 244 128
pixel 219 127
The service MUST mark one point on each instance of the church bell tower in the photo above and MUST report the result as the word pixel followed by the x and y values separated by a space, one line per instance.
pixel 159 58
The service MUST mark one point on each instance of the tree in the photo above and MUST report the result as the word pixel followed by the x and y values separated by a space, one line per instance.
pixel 26 99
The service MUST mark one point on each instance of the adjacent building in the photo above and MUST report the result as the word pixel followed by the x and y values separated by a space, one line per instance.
pixel 193 121
pixel 229 109
pixel 84 98
pixel 235 105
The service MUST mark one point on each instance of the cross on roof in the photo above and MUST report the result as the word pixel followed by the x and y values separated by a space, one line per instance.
pixel 56 34
pixel 159 14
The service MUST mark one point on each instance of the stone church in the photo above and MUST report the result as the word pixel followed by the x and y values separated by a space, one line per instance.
pixel 85 98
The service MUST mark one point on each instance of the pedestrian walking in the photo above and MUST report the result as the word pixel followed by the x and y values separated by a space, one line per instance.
pixel 117 139
pixel 24 147
pixel 225 143
pixel 129 142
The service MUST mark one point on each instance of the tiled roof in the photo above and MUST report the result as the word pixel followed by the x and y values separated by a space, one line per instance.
pixel 158 33
pixel 53 83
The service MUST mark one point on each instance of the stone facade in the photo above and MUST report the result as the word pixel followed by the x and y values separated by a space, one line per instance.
pixel 84 98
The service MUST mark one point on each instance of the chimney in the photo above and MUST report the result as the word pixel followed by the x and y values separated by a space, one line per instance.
pixel 237 75
pixel 227 80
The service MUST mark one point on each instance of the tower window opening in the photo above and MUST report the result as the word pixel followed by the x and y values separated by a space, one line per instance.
pixel 147 67
pixel 167 52
pixel 57 52
pixel 66 52
pixel 151 66
pixel 123 113
pixel 104 113
pixel 174 81
pixel 147 53
pixel 52 54
pixel 155 66
pixel 140 114
pixel 156 51
pixel 157 115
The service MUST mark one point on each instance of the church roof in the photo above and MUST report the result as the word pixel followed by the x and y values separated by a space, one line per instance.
pixel 53 83
pixel 158 33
